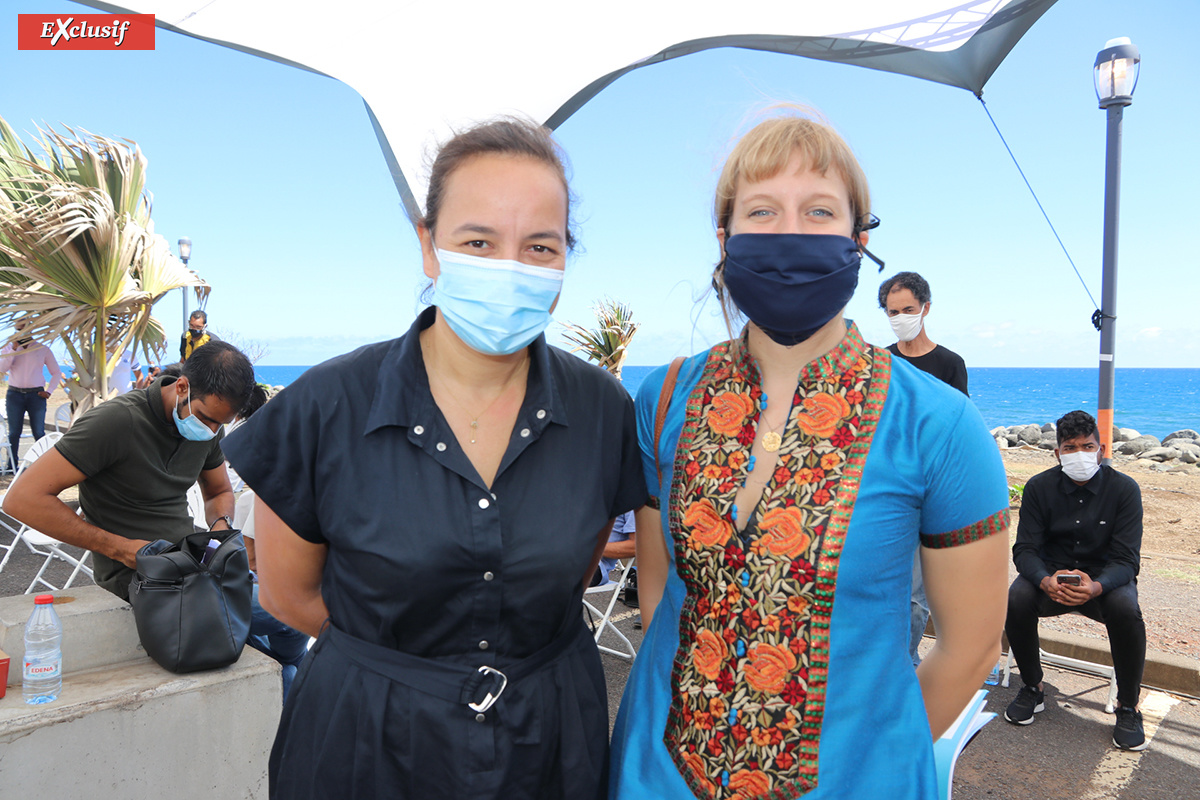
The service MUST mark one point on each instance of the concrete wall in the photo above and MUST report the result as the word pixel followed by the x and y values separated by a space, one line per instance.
pixel 128 728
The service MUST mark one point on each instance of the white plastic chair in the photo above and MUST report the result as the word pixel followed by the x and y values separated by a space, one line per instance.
pixel 42 544
pixel 62 419
pixel 605 622
pixel 16 532
pixel 7 462
pixel 195 501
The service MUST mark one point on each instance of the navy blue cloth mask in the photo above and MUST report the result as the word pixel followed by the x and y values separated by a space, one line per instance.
pixel 791 284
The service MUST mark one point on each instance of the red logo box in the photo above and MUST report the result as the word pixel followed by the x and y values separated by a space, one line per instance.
pixel 85 31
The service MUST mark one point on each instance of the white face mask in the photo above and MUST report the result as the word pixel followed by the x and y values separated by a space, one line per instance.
pixel 1080 465
pixel 906 326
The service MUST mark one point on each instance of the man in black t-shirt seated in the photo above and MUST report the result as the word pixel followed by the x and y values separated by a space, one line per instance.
pixel 907 299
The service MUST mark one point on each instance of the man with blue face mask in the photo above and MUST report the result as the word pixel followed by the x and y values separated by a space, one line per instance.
pixel 1078 549
pixel 134 458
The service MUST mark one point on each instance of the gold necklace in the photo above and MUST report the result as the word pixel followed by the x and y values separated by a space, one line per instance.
pixel 771 440
pixel 496 399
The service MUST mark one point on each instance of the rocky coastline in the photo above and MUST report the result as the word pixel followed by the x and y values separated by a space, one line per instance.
pixel 1177 452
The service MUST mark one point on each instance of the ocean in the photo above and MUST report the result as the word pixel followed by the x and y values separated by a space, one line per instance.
pixel 1153 401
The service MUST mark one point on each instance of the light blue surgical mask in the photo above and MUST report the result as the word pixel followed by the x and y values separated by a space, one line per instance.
pixel 495 306
pixel 191 428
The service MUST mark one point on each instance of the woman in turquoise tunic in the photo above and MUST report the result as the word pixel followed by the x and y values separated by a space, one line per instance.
pixel 775 580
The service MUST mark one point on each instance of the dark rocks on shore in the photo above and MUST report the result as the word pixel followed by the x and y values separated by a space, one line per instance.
pixel 1176 452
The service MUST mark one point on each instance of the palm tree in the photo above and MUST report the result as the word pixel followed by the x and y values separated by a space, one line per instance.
pixel 607 343
pixel 79 259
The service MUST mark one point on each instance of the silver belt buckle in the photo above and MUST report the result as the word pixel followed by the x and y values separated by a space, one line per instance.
pixel 490 699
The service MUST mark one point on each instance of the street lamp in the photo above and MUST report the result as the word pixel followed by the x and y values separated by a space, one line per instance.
pixel 185 253
pixel 1116 74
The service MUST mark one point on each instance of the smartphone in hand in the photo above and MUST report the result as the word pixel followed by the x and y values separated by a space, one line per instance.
pixel 1070 580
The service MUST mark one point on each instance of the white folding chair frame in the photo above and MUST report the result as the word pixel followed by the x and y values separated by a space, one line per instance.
pixel 55 550
pixel 42 545
pixel 606 616
pixel 1075 665
pixel 9 463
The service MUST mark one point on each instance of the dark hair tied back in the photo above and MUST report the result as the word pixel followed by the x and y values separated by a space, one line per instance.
pixel 508 136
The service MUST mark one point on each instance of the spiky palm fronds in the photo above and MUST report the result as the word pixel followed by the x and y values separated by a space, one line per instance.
pixel 606 344
pixel 79 258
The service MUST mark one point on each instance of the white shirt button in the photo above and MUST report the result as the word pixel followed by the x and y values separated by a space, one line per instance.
pixel 441 446
pixel 541 413
pixel 419 429
pixel 524 433
pixel 483 502
pixel 487 576
pixel 483 645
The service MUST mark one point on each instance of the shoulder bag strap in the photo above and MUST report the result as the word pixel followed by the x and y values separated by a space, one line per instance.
pixel 664 402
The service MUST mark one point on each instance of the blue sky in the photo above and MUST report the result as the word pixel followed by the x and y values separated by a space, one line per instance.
pixel 276 176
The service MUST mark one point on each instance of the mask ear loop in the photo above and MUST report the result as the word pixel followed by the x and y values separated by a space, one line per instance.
pixel 871 223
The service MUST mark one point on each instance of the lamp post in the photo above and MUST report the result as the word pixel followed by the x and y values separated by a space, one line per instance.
pixel 1116 74
pixel 185 253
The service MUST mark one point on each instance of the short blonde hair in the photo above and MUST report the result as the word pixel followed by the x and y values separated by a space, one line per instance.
pixel 764 152
pixel 770 145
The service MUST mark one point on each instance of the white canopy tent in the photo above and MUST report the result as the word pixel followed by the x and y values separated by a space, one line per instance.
pixel 424 69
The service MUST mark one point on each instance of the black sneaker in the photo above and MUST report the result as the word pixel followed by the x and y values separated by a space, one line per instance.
pixel 1128 733
pixel 1028 702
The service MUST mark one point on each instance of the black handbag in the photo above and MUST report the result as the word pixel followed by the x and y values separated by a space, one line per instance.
pixel 192 611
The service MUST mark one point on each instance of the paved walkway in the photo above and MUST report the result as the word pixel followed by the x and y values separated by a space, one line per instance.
pixel 1066 754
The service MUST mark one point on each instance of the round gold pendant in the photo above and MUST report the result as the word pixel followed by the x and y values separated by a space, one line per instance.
pixel 771 441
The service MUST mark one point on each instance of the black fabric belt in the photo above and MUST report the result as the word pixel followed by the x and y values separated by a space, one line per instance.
pixel 26 391
pixel 477 687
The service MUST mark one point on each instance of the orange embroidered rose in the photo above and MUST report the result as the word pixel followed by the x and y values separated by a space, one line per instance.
pixel 797 604
pixel 768 666
pixel 781 533
pixel 822 413
pixel 728 413
pixel 708 655
pixel 746 783
pixel 695 765
pixel 705 525
pixel 733 593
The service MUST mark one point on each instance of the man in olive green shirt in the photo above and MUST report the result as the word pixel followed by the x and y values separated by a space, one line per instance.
pixel 134 458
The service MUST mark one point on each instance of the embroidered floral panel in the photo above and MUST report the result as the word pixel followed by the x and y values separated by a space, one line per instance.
pixel 748 681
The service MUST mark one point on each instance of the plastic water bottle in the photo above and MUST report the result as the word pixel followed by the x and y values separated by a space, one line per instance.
pixel 993 677
pixel 41 679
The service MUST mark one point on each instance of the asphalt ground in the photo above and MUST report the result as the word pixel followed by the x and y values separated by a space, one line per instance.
pixel 1066 754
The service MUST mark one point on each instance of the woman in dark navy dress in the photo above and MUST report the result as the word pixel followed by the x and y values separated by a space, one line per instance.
pixel 429 508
